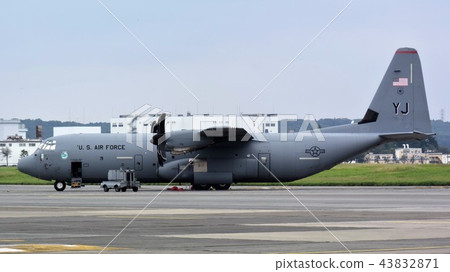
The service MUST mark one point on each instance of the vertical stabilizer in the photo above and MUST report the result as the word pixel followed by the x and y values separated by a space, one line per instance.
pixel 400 104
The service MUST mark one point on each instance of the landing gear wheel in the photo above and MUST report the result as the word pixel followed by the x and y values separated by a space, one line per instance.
pixel 116 188
pixel 222 186
pixel 59 185
pixel 124 189
pixel 105 188
pixel 201 187
pixel 135 189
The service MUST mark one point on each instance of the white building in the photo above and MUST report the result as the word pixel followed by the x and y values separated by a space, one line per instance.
pixel 416 156
pixel 13 142
pixel 265 123
pixel 15 150
pixel 410 155
pixel 58 131
pixel 438 158
pixel 12 128
pixel 446 158
pixel 379 158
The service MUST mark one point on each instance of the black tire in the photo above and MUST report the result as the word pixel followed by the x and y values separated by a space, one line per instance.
pixel 105 188
pixel 135 189
pixel 201 187
pixel 222 187
pixel 116 188
pixel 59 185
pixel 124 189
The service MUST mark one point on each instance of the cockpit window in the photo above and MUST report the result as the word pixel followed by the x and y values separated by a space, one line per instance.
pixel 48 145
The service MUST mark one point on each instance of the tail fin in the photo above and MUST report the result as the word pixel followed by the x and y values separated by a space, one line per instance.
pixel 399 108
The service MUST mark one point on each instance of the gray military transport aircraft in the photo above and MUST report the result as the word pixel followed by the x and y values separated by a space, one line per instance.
pixel 398 111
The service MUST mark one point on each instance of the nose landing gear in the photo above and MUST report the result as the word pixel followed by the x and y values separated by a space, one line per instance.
pixel 59 185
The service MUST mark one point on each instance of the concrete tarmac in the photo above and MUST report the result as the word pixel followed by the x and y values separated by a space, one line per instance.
pixel 37 219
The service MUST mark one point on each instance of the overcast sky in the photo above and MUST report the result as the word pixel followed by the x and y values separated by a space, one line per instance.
pixel 71 60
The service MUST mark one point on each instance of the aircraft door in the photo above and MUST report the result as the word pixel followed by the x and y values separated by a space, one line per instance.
pixel 76 169
pixel 138 161
pixel 263 158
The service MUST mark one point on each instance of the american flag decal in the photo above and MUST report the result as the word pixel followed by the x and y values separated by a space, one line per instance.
pixel 400 82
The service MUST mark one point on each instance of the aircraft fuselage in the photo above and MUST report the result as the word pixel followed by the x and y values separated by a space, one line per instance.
pixel 91 156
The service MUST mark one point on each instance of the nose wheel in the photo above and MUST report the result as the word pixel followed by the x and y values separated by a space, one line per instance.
pixel 59 185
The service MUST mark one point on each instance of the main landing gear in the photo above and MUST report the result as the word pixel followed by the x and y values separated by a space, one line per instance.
pixel 223 187
pixel 205 187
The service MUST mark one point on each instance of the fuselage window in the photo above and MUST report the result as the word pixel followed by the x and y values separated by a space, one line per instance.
pixel 264 160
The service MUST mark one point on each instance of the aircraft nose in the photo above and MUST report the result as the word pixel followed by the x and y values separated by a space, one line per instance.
pixel 26 165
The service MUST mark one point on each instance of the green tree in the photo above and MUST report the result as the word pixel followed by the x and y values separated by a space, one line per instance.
pixel 6 152
pixel 23 153
pixel 404 159
pixel 377 159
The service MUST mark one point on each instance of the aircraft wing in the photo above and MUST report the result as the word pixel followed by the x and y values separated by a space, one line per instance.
pixel 181 142
pixel 184 141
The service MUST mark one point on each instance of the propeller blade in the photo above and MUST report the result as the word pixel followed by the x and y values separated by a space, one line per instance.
pixel 161 156
pixel 159 128
pixel 154 127
pixel 162 124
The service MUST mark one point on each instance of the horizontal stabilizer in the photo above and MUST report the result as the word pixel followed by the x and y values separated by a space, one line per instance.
pixel 415 135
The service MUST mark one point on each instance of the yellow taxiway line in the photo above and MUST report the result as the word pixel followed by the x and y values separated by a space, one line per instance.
pixel 51 248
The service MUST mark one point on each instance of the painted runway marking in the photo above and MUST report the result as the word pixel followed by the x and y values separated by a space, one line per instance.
pixel 374 231
pixel 30 248
pixel 10 250
pixel 352 235
pixel 404 224
pixel 371 250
